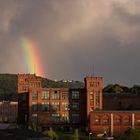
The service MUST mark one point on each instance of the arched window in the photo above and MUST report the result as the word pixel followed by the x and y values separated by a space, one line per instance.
pixel 105 119
pixel 117 119
pixel 126 120
pixel 97 119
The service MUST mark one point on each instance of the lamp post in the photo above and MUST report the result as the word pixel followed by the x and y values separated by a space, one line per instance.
pixel 90 135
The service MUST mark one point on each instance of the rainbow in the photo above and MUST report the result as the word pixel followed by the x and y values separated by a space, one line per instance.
pixel 32 59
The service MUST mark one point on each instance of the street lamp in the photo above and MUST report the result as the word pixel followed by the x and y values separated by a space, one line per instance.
pixel 90 135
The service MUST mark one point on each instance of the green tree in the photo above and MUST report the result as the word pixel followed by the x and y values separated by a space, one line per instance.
pixel 130 134
pixel 50 133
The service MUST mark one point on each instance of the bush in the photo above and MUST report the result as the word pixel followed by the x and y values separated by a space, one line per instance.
pixel 130 134
pixel 50 133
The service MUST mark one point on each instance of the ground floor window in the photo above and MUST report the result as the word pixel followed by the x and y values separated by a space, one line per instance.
pixel 55 118
pixel 65 118
pixel 75 118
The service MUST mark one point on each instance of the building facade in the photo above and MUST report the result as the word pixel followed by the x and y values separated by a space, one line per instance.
pixel 64 107
pixel 49 106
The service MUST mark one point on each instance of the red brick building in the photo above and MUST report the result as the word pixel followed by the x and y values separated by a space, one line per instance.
pixel 73 107
pixel 93 91
pixel 49 106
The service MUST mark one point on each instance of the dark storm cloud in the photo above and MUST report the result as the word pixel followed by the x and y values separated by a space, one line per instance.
pixel 73 35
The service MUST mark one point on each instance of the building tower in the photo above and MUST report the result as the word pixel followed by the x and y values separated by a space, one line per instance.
pixel 93 86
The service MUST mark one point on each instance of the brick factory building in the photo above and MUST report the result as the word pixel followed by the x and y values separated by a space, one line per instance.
pixel 57 107
pixel 49 106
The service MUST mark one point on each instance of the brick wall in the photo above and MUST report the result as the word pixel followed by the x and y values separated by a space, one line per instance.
pixel 114 123
pixel 8 111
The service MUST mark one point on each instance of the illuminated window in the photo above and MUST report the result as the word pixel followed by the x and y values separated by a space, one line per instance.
pixel 56 94
pixel 55 106
pixel 65 95
pixel 65 106
pixel 91 102
pixel 55 118
pixel 34 94
pixel 45 106
pixel 65 118
pixel 45 95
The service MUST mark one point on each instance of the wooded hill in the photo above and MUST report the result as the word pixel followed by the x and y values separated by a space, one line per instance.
pixel 8 84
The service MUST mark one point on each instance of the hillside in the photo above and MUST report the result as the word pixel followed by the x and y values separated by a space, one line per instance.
pixel 8 84
pixel 115 88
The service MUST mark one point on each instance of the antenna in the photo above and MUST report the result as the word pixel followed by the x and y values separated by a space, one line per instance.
pixel 34 69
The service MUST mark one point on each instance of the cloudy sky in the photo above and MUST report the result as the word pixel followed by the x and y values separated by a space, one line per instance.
pixel 74 35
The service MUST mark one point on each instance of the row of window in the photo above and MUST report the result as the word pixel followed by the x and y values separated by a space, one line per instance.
pixel 55 106
pixel 8 107
pixel 94 84
pixel 56 118
pixel 8 119
pixel 8 113
pixel 116 121
pixel 55 95
pixel 31 85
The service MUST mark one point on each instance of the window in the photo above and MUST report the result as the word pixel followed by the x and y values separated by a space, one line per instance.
pixel 92 109
pixel 65 118
pixel 65 106
pixel 38 84
pixel 45 95
pixel 55 118
pixel 34 106
pixel 22 80
pixel 55 106
pixel 34 95
pixel 97 120
pixel 138 121
pixel 75 118
pixel 118 120
pixel 34 118
pixel 92 96
pixel 105 120
pixel 24 88
pixel 45 106
pixel 75 105
pixel 65 95
pixel 24 97
pixel 55 94
pixel 92 84
pixel 24 105
pixel 97 100
pixel 75 94
pixel 91 102
pixel 126 120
